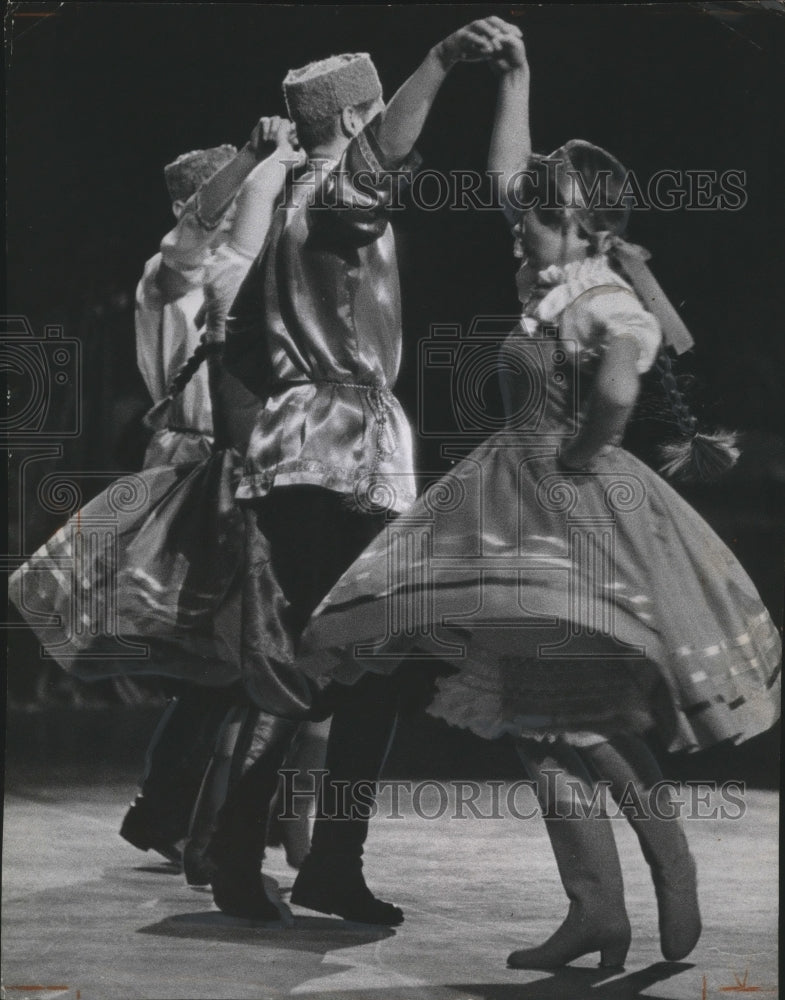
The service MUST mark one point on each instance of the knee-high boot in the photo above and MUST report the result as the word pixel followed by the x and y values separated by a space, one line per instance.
pixel 331 878
pixel 212 795
pixel 175 763
pixel 630 768
pixel 236 849
pixel 588 863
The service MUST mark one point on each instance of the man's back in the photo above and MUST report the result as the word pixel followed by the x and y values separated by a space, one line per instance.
pixel 316 331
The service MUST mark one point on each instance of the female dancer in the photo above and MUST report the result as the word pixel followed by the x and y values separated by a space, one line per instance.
pixel 578 599
pixel 147 577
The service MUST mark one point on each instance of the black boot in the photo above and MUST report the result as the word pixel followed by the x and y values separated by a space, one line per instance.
pixel 197 867
pixel 236 849
pixel 146 828
pixel 331 878
pixel 339 888
pixel 177 757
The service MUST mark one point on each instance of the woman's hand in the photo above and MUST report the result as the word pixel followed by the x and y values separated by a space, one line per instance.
pixel 481 40
pixel 510 56
pixel 573 459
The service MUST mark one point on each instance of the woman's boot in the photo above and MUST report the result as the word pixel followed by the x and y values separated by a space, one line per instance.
pixel 630 768
pixel 588 862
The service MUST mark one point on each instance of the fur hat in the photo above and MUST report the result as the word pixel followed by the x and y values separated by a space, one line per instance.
pixel 321 89
pixel 189 171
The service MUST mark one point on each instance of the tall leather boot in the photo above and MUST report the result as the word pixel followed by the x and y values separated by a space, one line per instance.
pixel 176 760
pixel 236 849
pixel 212 795
pixel 628 765
pixel 331 878
pixel 588 863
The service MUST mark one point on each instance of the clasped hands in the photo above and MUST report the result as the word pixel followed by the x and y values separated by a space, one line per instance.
pixel 275 134
pixel 489 39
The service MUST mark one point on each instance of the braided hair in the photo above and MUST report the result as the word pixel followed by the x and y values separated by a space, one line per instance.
pixel 698 455
pixel 156 419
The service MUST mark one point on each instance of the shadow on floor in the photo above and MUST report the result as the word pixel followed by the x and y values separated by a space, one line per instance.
pixel 564 984
pixel 307 934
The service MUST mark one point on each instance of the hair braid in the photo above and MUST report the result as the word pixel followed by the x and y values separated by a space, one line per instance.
pixel 699 455
pixel 687 421
pixel 192 365
pixel 157 417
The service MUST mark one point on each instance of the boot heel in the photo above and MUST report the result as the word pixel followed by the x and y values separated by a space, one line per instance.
pixel 612 956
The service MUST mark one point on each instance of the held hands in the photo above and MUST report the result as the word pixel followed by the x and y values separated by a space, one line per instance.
pixel 488 39
pixel 511 55
pixel 276 135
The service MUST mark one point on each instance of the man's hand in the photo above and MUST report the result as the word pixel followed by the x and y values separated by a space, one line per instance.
pixel 271 134
pixel 479 41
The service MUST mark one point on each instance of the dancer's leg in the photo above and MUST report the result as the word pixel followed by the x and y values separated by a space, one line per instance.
pixel 176 761
pixel 213 792
pixel 585 852
pixel 313 537
pixel 633 773
pixel 331 879
pixel 292 831
pixel 236 849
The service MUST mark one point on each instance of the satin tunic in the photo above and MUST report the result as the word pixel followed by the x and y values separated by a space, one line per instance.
pixel 315 331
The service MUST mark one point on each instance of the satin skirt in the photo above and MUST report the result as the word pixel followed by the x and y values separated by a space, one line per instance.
pixel 164 574
pixel 579 604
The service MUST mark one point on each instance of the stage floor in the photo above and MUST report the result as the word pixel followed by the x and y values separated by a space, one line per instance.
pixel 87 917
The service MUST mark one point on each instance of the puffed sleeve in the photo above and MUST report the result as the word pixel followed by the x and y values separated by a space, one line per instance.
pixel 186 248
pixel 223 275
pixel 148 315
pixel 353 201
pixel 603 313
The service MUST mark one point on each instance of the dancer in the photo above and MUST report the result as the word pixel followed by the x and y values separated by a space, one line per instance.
pixel 169 306
pixel 316 333
pixel 167 299
pixel 170 543
pixel 579 600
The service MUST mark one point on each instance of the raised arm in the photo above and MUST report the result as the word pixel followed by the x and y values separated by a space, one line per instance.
pixel 405 115
pixel 260 190
pixel 183 249
pixel 215 195
pixel 510 146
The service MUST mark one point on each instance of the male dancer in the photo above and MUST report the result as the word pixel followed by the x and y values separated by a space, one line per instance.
pixel 316 332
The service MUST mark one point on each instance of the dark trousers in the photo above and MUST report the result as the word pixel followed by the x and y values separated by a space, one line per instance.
pixel 314 537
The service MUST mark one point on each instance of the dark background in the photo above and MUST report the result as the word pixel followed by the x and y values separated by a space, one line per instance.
pixel 100 96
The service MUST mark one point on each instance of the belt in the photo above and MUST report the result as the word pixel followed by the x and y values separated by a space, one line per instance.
pixel 380 399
